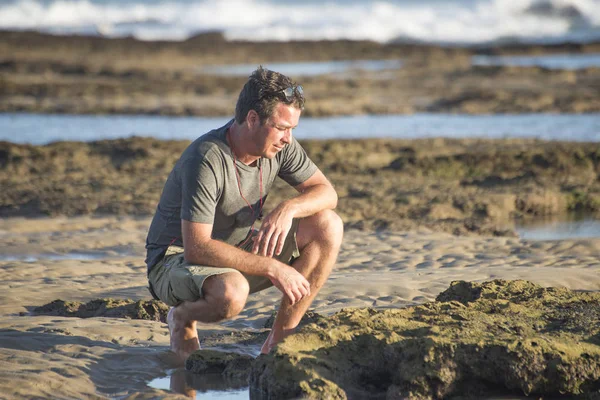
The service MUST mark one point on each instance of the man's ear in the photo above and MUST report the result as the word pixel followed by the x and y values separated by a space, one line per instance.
pixel 252 119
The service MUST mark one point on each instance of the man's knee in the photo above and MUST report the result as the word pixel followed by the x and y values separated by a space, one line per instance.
pixel 325 226
pixel 227 293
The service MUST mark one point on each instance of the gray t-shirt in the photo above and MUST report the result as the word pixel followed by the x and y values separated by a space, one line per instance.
pixel 202 187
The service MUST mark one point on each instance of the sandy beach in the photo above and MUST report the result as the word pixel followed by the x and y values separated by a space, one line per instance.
pixel 86 258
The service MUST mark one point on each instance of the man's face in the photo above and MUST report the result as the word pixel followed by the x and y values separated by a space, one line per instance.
pixel 272 136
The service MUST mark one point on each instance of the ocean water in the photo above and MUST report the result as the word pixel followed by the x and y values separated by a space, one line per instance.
pixel 431 21
pixel 43 128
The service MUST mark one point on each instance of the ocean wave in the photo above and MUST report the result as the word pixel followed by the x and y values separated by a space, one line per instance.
pixel 458 22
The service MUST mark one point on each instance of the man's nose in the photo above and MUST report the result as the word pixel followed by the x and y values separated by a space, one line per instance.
pixel 287 136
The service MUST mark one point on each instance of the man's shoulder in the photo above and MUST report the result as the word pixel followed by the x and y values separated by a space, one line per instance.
pixel 207 146
pixel 210 146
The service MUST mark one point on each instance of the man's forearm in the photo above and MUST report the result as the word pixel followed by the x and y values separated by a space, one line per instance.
pixel 219 254
pixel 311 201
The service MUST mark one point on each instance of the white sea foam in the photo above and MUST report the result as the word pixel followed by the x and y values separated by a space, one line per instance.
pixel 453 21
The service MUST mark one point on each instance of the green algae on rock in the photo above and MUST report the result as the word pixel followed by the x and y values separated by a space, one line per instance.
pixel 116 308
pixel 501 337
pixel 459 186
pixel 230 365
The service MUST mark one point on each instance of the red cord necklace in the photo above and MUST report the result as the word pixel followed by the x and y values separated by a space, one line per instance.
pixel 237 176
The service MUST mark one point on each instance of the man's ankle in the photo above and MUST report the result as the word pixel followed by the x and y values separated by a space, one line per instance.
pixel 179 315
pixel 283 332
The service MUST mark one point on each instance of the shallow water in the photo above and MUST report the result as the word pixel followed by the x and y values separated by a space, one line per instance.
pixel 570 228
pixel 550 61
pixel 347 68
pixel 43 128
pixel 208 386
pixel 312 68
pixel 30 258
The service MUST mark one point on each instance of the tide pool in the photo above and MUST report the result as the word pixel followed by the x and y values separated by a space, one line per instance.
pixel 550 61
pixel 43 128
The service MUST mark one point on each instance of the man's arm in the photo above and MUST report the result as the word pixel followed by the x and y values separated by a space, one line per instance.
pixel 200 248
pixel 316 194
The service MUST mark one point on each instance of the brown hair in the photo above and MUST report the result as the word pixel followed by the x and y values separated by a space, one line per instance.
pixel 262 92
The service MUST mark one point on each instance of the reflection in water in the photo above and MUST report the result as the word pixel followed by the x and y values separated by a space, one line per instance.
pixel 569 227
pixel 202 386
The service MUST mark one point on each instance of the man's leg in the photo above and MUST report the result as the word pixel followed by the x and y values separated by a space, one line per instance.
pixel 224 296
pixel 319 238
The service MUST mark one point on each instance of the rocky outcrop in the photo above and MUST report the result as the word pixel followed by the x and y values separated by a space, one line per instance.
pixel 113 308
pixel 231 366
pixel 461 186
pixel 95 75
pixel 500 337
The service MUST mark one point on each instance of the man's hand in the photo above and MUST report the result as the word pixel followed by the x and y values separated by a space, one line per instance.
pixel 273 231
pixel 290 282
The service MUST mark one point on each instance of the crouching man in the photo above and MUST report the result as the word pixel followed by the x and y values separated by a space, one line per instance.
pixel 204 253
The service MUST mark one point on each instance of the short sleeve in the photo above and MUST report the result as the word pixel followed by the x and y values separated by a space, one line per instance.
pixel 199 190
pixel 296 167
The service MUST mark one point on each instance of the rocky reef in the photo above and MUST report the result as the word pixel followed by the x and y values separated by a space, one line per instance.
pixel 92 75
pixel 475 340
pixel 461 186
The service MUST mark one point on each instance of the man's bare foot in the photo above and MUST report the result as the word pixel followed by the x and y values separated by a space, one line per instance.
pixel 275 336
pixel 183 335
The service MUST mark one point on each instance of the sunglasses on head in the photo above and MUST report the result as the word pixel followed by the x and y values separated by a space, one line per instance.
pixel 288 93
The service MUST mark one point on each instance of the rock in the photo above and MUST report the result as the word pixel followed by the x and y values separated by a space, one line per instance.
pixel 444 211
pixel 548 9
pixel 229 365
pixel 504 337
pixel 152 310
pixel 309 317
pixel 541 203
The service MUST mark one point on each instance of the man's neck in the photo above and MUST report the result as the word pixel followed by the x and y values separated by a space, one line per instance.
pixel 240 146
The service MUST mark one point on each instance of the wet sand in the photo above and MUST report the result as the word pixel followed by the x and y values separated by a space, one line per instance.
pixel 78 74
pixel 65 357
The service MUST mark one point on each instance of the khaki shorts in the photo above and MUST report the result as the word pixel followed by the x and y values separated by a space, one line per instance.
pixel 174 281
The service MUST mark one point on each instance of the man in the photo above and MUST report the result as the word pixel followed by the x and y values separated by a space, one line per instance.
pixel 204 255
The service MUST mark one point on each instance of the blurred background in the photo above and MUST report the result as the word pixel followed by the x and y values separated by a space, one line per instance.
pixel 472 116
pixel 423 21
